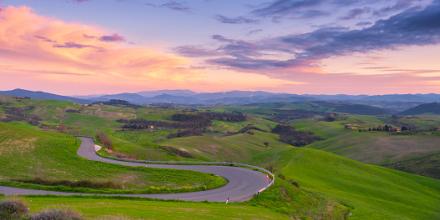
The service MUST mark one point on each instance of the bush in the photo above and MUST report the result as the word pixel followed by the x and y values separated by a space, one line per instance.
pixel 10 210
pixel 56 215
pixel 105 140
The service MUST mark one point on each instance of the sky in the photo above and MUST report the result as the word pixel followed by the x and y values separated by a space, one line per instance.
pixel 82 47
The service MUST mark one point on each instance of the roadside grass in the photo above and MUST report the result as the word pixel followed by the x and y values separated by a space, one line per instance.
pixel 132 209
pixel 291 199
pixel 27 153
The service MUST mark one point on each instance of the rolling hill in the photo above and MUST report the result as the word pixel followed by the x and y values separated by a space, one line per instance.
pixel 429 108
pixel 311 183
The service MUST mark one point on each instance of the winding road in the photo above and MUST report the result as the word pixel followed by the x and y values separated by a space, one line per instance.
pixel 242 184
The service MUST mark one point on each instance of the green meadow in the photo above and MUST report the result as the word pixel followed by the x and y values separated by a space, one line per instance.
pixel 28 153
pixel 336 177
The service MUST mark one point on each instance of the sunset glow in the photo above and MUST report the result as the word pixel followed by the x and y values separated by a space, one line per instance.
pixel 73 56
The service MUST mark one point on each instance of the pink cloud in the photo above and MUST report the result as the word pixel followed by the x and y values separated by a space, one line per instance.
pixel 44 53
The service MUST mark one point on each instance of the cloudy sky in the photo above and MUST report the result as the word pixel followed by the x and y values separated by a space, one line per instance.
pixel 78 47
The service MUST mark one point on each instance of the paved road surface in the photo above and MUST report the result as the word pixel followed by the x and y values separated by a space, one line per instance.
pixel 243 183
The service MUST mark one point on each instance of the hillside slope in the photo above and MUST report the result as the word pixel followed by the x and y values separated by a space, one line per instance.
pixel 371 191
pixel 429 108
pixel 32 158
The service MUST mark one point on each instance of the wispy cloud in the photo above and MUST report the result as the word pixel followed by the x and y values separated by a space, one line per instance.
pixel 254 31
pixel 172 5
pixel 72 45
pixel 236 20
pixel 278 9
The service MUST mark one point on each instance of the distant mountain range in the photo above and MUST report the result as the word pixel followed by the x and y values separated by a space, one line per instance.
pixel 42 95
pixel 187 97
pixel 394 102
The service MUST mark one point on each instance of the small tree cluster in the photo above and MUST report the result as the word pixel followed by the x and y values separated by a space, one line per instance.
pixel 386 128
pixel 291 136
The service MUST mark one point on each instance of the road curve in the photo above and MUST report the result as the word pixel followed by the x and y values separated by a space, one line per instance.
pixel 242 184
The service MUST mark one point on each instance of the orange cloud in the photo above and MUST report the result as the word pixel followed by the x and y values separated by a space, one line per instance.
pixel 30 44
pixel 39 52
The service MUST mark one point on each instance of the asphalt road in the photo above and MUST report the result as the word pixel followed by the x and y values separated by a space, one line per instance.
pixel 242 184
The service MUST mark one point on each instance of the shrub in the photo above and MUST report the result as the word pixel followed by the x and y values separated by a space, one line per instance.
pixel 10 210
pixel 105 140
pixel 56 215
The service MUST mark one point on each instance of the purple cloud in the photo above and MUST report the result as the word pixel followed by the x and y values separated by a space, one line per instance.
pixel 112 38
pixel 172 5
pixel 72 45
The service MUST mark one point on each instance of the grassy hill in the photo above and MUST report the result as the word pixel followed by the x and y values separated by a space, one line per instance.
pixel 399 151
pixel 34 158
pixel 311 184
pixel 372 192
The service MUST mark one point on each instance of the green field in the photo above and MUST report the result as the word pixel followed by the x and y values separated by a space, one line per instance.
pixel 27 153
pixel 131 209
pixel 312 182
